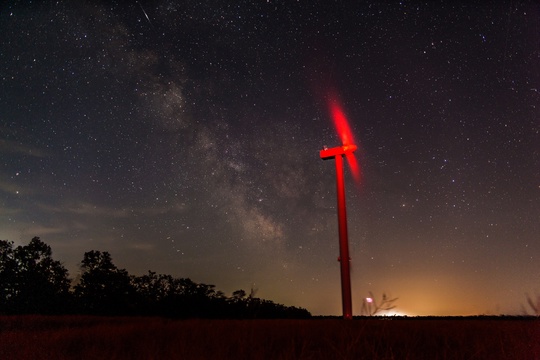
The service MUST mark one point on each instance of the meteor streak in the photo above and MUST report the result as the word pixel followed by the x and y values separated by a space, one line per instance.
pixel 145 14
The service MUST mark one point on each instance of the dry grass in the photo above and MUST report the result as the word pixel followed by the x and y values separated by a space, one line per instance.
pixel 78 337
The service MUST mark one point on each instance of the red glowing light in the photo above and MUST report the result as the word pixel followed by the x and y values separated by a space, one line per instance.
pixel 346 149
pixel 345 134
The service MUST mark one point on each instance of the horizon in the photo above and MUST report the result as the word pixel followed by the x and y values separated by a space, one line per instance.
pixel 524 308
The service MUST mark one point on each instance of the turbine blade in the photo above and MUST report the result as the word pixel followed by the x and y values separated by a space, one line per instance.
pixel 355 167
pixel 340 122
pixel 344 131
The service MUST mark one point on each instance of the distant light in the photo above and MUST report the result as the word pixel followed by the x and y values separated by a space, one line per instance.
pixel 393 313
pixel 369 300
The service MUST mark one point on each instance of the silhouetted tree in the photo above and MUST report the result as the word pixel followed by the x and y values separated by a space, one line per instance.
pixel 160 294
pixel 238 295
pixel 8 276
pixel 194 299
pixel 32 282
pixel 246 306
pixel 370 305
pixel 534 304
pixel 151 291
pixel 103 288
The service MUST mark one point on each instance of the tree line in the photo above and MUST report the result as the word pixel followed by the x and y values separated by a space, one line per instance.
pixel 32 282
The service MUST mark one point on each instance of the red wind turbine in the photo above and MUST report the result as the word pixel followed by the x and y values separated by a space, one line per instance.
pixel 347 150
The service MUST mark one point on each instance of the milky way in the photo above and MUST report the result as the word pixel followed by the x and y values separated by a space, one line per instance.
pixel 183 138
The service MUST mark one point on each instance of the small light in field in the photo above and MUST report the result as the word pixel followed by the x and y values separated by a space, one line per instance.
pixel 393 313
pixel 369 300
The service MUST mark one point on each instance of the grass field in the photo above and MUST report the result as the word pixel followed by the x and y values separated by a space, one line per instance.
pixel 79 337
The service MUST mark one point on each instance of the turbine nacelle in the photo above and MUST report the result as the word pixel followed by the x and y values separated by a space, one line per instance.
pixel 326 153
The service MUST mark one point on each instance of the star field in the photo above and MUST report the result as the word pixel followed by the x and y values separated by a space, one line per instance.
pixel 183 138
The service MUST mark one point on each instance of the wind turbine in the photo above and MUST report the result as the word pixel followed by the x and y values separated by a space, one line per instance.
pixel 346 149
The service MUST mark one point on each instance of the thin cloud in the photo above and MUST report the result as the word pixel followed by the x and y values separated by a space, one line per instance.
pixel 12 147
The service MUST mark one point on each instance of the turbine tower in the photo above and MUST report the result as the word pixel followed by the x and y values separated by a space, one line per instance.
pixel 337 153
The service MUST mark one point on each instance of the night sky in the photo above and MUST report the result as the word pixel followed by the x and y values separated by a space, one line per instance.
pixel 183 137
